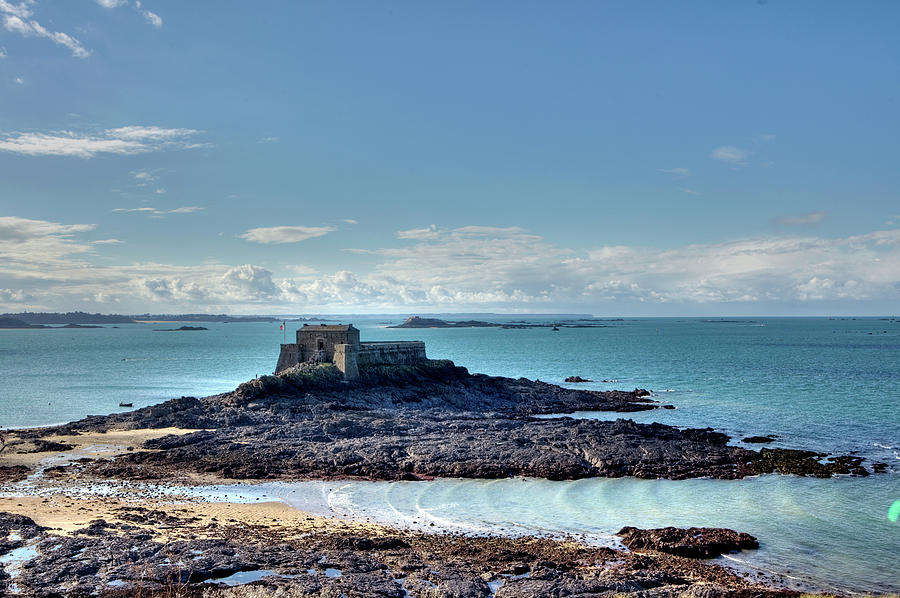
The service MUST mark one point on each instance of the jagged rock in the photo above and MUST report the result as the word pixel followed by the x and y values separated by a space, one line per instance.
pixel 693 542
pixel 390 566
pixel 760 439
pixel 426 420
pixel 13 473
pixel 807 463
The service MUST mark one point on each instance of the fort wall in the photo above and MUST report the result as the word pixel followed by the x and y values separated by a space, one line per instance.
pixel 339 344
pixel 289 357
pixel 345 358
pixel 391 353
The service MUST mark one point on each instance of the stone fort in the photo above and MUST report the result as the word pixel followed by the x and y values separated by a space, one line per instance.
pixel 340 345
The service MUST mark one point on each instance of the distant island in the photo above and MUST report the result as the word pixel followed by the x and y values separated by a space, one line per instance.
pixel 182 329
pixel 35 319
pixel 16 324
pixel 417 322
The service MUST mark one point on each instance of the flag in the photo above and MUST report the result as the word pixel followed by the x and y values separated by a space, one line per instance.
pixel 282 326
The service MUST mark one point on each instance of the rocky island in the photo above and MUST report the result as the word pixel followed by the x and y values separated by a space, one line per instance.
pixel 379 421
pixel 418 322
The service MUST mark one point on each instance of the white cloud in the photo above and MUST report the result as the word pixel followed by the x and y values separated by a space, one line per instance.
pixel 677 171
pixel 304 271
pixel 2 52
pixel 730 154
pixel 32 248
pixel 121 141
pixel 13 228
pixel 429 232
pixel 160 191
pixel 688 191
pixel 143 133
pixel 20 80
pixel 269 140
pixel 151 17
pixel 144 178
pixel 107 242
pixel 156 212
pixel 145 209
pixel 285 234
pixel 13 296
pixel 801 219
pixel 350 221
pixel 17 19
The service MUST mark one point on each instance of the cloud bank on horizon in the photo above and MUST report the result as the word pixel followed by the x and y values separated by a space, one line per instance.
pixel 49 265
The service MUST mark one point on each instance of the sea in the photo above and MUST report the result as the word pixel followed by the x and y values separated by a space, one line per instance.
pixel 825 384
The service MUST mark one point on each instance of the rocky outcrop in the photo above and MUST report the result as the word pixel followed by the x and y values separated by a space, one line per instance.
pixel 577 379
pixel 425 420
pixel 417 322
pixel 807 463
pixel 693 542
pixel 760 439
pixel 385 446
pixel 117 559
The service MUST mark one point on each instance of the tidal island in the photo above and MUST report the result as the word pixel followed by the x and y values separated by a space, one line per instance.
pixel 339 408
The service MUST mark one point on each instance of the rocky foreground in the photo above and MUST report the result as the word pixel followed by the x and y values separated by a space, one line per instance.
pixel 417 422
pixel 129 556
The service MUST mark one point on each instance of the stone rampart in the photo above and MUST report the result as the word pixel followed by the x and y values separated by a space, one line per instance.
pixel 348 356
pixel 289 357
pixel 345 357
pixel 393 353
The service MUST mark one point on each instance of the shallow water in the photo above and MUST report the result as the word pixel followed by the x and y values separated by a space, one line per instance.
pixel 830 385
pixel 824 534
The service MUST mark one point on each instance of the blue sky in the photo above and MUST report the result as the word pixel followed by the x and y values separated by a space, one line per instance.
pixel 617 158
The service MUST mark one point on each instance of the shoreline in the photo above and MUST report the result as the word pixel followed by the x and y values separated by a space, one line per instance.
pixel 219 532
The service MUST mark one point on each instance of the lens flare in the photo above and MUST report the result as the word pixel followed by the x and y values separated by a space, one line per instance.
pixel 894 511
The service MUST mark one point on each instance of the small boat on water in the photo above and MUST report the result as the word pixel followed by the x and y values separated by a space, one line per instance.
pixel 126 404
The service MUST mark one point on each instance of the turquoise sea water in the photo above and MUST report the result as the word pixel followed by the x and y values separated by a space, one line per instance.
pixel 830 385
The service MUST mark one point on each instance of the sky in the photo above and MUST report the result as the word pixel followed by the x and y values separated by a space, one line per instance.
pixel 614 158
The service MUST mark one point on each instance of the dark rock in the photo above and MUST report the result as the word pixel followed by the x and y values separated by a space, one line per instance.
pixel 46 446
pixel 389 565
pixel 13 473
pixel 807 463
pixel 760 439
pixel 694 542
pixel 433 419
pixel 577 379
